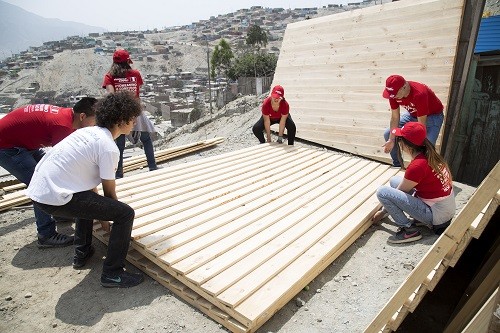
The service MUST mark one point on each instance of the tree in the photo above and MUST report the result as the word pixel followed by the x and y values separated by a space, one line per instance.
pixel 221 59
pixel 251 64
pixel 256 36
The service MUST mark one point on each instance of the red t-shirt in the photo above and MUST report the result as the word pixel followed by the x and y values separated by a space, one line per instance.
pixel 131 82
pixel 429 184
pixel 421 101
pixel 267 109
pixel 35 126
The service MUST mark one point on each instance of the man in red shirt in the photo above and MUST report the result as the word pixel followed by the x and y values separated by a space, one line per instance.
pixel 421 105
pixel 25 133
pixel 275 110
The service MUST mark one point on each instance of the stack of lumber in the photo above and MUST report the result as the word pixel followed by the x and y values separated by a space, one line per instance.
pixel 468 224
pixel 14 194
pixel 334 68
pixel 244 232
pixel 13 197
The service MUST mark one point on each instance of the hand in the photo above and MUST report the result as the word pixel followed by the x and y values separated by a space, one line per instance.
pixel 388 146
pixel 280 139
pixel 105 225
pixel 379 215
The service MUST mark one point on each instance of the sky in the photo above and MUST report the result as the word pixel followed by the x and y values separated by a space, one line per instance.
pixel 124 15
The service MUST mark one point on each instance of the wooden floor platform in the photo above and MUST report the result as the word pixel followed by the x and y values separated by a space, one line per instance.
pixel 245 231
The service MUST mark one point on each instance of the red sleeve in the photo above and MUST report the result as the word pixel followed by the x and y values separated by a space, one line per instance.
pixel 416 170
pixel 284 108
pixel 139 79
pixel 266 107
pixel 422 104
pixel 108 80
pixel 394 105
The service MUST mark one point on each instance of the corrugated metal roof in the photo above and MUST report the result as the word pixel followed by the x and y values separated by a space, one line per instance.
pixel 488 38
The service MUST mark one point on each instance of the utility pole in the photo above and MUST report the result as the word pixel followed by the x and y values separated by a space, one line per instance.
pixel 209 83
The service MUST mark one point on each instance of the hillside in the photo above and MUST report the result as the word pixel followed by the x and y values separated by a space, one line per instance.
pixel 20 29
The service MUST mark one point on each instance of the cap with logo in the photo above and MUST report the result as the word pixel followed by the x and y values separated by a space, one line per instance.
pixel 412 131
pixel 121 56
pixel 278 92
pixel 392 86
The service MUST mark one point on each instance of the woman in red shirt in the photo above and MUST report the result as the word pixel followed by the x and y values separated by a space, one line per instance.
pixel 275 110
pixel 121 77
pixel 426 191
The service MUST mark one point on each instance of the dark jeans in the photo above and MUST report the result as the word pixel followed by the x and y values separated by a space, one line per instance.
pixel 148 150
pixel 21 163
pixel 258 129
pixel 87 206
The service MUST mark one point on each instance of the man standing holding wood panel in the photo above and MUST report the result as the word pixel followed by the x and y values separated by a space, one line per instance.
pixel 421 105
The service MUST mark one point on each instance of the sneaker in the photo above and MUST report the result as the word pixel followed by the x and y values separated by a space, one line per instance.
pixel 405 235
pixel 121 280
pixel 80 260
pixel 56 240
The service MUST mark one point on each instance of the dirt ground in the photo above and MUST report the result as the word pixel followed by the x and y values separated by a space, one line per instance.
pixel 40 291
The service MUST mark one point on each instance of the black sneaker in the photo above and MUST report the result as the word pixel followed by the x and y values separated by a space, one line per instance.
pixel 405 235
pixel 56 240
pixel 80 259
pixel 121 280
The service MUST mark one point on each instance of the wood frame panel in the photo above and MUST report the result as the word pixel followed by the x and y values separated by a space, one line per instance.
pixel 247 230
pixel 334 67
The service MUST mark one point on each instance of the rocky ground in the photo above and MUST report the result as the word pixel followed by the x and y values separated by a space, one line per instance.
pixel 40 291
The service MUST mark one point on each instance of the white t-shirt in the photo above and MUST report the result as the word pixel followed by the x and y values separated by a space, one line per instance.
pixel 76 164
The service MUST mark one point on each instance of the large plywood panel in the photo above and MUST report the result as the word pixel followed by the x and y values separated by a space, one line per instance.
pixel 240 234
pixel 334 68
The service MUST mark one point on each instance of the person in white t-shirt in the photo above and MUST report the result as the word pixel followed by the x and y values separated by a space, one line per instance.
pixel 65 181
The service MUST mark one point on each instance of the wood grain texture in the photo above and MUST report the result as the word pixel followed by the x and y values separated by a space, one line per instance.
pixel 334 68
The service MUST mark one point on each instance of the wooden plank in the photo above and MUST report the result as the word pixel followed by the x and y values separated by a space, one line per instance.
pixel 211 261
pixel 188 183
pixel 345 58
pixel 478 225
pixel 483 318
pixel 304 227
pixel 158 219
pixel 277 292
pixel 240 224
pixel 186 294
pixel 488 188
pixel 138 183
pixel 476 300
pixel 414 300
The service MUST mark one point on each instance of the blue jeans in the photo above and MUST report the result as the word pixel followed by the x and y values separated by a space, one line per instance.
pixel 397 203
pixel 148 150
pixel 21 163
pixel 87 206
pixel 433 126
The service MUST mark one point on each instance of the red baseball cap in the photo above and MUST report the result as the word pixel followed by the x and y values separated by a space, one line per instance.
pixel 278 92
pixel 412 131
pixel 392 86
pixel 121 56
